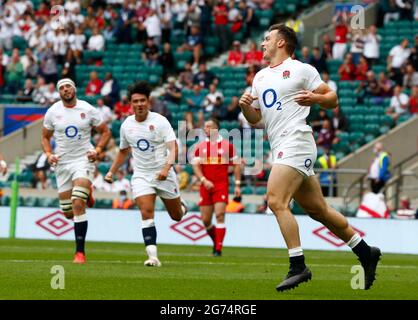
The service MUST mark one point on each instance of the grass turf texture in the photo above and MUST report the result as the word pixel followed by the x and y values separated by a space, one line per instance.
pixel 116 271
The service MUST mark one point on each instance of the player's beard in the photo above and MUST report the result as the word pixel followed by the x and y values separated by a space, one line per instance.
pixel 69 98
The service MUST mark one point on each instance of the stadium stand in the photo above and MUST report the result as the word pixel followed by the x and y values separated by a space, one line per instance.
pixel 121 61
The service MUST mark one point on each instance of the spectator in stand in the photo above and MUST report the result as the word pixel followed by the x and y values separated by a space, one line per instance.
pixel 326 135
pixel 51 95
pixel 340 21
pixel 193 44
pixel 94 85
pixel 105 112
pixel 77 42
pixel 196 104
pixel 206 9
pixel 305 55
pixel 405 210
pixel 235 205
pixel 391 12
pixel 235 55
pixel 122 202
pixel 413 57
pixel 296 25
pixel 328 81
pixel 361 69
pixel 172 93
pixel 233 110
pixel 318 60
pixel 123 109
pixel 159 106
pixel 357 45
pixel 186 76
pixel 193 17
pixel 385 85
pixel 379 171
pixel 166 22
pixel 40 89
pixel 150 53
pixel 27 59
pixel 399 104
pixel 328 180
pixel 219 110
pixel 220 14
pixel 413 101
pixel 397 57
pixel 110 90
pixel 25 95
pixel 410 78
pixel 318 121
pixel 406 11
pixel 253 56
pixel 368 88
pixel 248 18
pixel 372 46
pixel 14 72
pixel 211 97
pixel 347 70
pixel 99 183
pixel 250 74
pixel 153 27
pixel 96 41
pixel 49 68
pixel 68 67
pixel 180 8
pixel 121 183
pixel 339 121
pixel 327 46
pixel 123 27
pixel 234 17
pixel 204 77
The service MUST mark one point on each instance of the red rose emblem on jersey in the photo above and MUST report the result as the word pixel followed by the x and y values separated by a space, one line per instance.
pixel 280 155
pixel 286 74
pixel 82 115
pixel 151 128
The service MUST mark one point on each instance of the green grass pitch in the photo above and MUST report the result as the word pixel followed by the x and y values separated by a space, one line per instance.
pixel 116 271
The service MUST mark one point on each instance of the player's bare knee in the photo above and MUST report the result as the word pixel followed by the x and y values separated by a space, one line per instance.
pixel 277 206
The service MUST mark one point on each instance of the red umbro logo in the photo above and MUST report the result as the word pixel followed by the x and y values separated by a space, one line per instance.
pixel 331 238
pixel 191 227
pixel 55 223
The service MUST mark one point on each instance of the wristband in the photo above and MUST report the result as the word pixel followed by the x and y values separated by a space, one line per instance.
pixel 202 179
pixel 238 182
pixel 3 164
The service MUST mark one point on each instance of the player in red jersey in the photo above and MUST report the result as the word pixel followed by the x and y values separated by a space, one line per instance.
pixel 210 164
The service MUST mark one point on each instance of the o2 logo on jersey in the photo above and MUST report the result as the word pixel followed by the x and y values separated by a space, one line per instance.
pixel 270 99
pixel 71 131
pixel 144 145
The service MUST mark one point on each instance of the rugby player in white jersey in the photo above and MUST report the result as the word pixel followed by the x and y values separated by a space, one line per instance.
pixel 152 141
pixel 70 121
pixel 281 95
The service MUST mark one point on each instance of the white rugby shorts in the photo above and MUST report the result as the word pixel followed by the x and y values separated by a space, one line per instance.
pixel 146 183
pixel 66 173
pixel 297 150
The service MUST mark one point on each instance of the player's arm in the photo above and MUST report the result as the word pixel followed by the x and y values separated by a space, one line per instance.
pixel 46 146
pixel 252 114
pixel 119 160
pixel 105 135
pixel 173 149
pixel 197 170
pixel 3 165
pixel 237 176
pixel 322 95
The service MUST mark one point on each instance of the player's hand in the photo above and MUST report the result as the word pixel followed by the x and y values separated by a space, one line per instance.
pixel 246 100
pixel 306 98
pixel 237 191
pixel 208 184
pixel 52 159
pixel 92 155
pixel 161 176
pixel 109 177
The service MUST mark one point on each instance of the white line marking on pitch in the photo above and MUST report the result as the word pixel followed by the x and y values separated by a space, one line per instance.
pixel 200 263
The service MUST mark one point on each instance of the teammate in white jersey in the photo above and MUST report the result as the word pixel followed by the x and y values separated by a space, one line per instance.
pixel 151 139
pixel 281 95
pixel 70 121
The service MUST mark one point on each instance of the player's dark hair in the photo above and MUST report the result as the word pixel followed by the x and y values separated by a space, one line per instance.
pixel 215 121
pixel 288 35
pixel 139 87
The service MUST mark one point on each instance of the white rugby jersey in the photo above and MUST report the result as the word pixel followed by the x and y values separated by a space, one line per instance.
pixel 276 88
pixel 147 140
pixel 72 129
